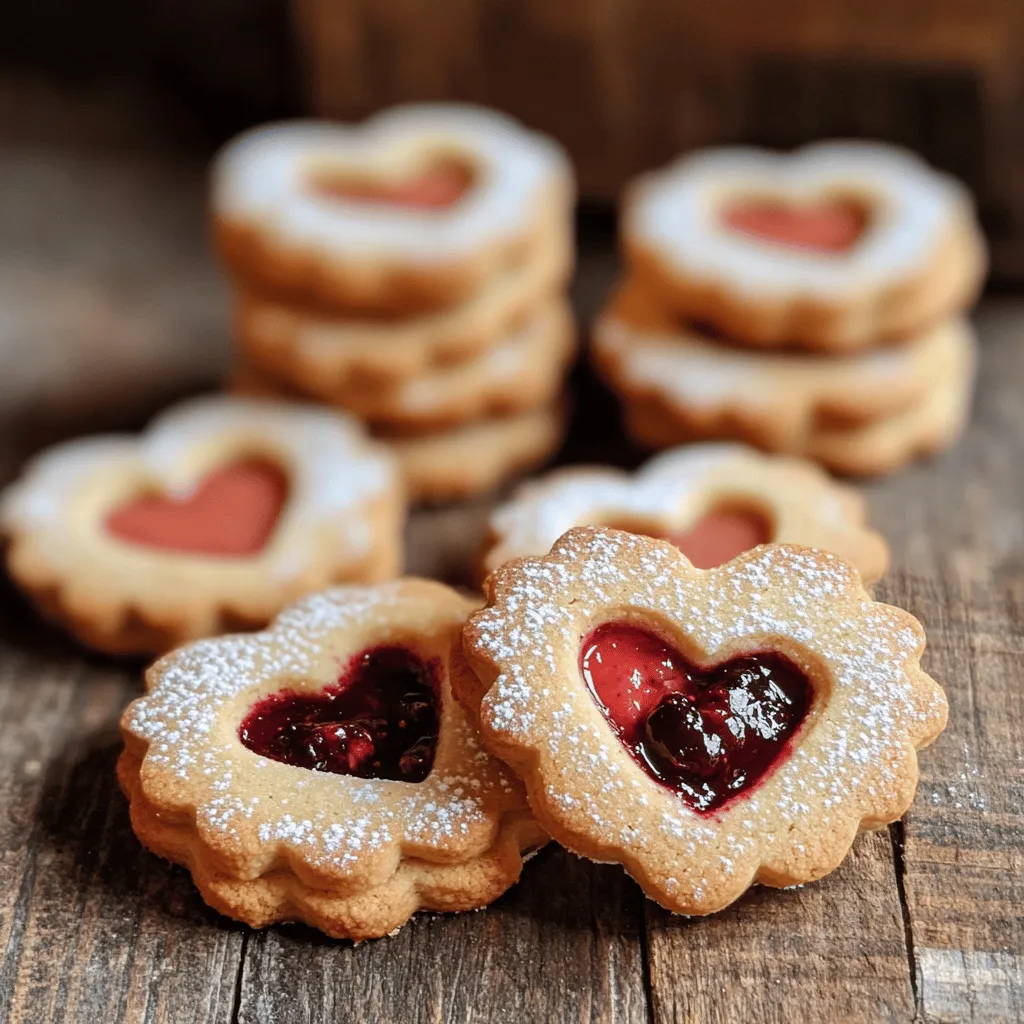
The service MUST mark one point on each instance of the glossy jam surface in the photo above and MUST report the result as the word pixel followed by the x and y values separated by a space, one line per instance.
pixel 231 513
pixel 832 227
pixel 379 721
pixel 710 734
pixel 437 187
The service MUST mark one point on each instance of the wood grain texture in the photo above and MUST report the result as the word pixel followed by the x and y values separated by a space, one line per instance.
pixel 562 945
pixel 837 946
pixel 92 927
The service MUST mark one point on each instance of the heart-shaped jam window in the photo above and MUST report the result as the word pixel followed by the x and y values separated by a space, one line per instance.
pixel 709 734
pixel 230 514
pixel 378 721
pixel 717 537
pixel 436 186
pixel 831 226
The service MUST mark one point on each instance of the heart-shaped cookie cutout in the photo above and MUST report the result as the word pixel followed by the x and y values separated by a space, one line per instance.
pixel 717 537
pixel 379 721
pixel 230 514
pixel 438 185
pixel 709 733
pixel 827 226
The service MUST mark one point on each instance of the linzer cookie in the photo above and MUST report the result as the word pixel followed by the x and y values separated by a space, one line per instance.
pixel 327 356
pixel 838 245
pixel 321 771
pixel 217 516
pixel 705 729
pixel 413 210
pixel 520 372
pixel 713 501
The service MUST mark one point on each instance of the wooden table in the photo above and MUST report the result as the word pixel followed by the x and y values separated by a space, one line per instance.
pixel 925 919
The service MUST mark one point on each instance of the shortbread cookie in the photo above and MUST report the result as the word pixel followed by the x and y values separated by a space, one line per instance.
pixel 217 516
pixel 522 371
pixel 321 771
pixel 449 465
pixel 836 246
pixel 881 446
pixel 705 729
pixel 324 356
pixel 415 209
pixel 713 501
pixel 771 400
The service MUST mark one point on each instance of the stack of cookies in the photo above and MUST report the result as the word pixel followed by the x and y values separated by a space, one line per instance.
pixel 411 271
pixel 809 303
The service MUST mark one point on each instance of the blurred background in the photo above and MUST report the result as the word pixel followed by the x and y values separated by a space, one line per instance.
pixel 110 298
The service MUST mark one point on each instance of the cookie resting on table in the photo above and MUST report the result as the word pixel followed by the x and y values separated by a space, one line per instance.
pixel 222 512
pixel 321 771
pixel 713 501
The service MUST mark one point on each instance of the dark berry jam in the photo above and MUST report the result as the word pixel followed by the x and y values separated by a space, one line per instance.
pixel 708 733
pixel 379 721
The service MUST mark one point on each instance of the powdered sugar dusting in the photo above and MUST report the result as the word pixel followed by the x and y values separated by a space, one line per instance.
pixel 851 761
pixel 334 473
pixel 676 211
pixel 252 808
pixel 675 488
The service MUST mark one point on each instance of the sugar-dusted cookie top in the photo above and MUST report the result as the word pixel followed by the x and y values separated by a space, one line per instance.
pixel 220 513
pixel 713 501
pixel 706 729
pixel 322 770
pixel 836 245
pixel 413 208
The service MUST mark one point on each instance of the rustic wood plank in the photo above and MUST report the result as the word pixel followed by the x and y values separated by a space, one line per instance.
pixel 833 950
pixel 92 928
pixel 562 945
pixel 957 529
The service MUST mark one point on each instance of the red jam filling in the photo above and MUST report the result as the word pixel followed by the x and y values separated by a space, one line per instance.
pixel 231 513
pixel 379 721
pixel 717 537
pixel 721 535
pixel 437 187
pixel 831 227
pixel 710 734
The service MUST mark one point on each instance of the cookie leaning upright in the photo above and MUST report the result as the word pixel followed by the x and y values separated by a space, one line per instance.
pixel 347 217
pixel 321 771
pixel 219 514
pixel 705 729
pixel 864 242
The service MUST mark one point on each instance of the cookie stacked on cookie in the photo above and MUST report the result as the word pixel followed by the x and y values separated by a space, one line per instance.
pixel 809 303
pixel 412 271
